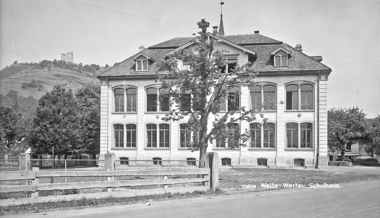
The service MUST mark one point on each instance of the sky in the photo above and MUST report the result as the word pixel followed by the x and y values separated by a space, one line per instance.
pixel 345 32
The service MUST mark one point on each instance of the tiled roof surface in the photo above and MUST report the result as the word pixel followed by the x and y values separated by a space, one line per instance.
pixel 297 61
pixel 263 46
pixel 127 67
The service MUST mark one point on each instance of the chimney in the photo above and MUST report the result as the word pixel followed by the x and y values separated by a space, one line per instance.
pixel 215 31
pixel 256 32
pixel 141 48
pixel 299 47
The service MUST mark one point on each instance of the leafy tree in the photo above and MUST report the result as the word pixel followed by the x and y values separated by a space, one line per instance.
pixel 55 123
pixel 10 130
pixel 372 139
pixel 88 117
pixel 15 62
pixel 200 91
pixel 345 128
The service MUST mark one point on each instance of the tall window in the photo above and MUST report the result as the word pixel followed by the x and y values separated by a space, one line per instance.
pixel 185 102
pixel 233 98
pixel 255 135
pixel 158 136
pixel 292 97
pixel 256 97
pixel 142 64
pixel 164 135
pixel 185 135
pixel 306 135
pixel 233 140
pixel 119 100
pixel 131 100
pixel 306 97
pixel 292 135
pixel 299 97
pixel 269 135
pixel 119 135
pixel 281 59
pixel 263 136
pixel 263 96
pixel 152 135
pixel 164 100
pixel 151 99
pixel 131 135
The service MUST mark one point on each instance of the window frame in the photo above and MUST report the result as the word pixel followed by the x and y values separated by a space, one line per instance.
pixel 133 133
pixel 262 131
pixel 299 136
pixel 226 161
pixel 187 136
pixel 124 161
pixel 281 56
pixel 125 108
pixel 299 96
pixel 159 101
pixel 157 136
pixel 225 106
pixel 118 134
pixel 141 61
pixel 124 134
pixel 262 96
pixel 262 160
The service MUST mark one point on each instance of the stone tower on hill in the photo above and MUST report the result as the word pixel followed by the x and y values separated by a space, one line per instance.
pixel 67 57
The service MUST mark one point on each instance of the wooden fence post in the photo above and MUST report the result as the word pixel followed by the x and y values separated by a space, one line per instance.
pixel 213 158
pixel 109 165
pixel 24 162
pixel 35 183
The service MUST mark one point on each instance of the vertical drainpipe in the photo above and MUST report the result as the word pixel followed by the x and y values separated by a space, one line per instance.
pixel 108 120
pixel 317 156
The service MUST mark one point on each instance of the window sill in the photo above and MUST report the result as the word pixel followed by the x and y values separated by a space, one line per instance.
pixel 184 149
pixel 299 149
pixel 118 148
pixel 228 149
pixel 300 110
pixel 262 149
pixel 124 113
pixel 268 111
pixel 157 148
pixel 156 112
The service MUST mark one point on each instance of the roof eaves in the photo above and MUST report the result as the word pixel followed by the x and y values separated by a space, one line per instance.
pixel 281 49
pixel 233 44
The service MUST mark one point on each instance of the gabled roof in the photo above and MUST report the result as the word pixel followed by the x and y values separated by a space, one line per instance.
pixel 142 54
pixel 281 49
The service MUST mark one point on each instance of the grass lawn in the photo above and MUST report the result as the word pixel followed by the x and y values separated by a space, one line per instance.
pixel 231 182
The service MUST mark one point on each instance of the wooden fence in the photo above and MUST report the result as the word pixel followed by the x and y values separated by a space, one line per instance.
pixel 161 179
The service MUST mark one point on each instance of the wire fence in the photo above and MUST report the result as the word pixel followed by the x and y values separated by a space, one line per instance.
pixel 123 163
pixel 9 164
pixel 64 164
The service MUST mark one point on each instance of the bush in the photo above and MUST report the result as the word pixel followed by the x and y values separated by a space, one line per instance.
pixel 24 85
pixel 339 163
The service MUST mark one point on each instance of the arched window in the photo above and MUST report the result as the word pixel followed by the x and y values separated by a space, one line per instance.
pixel 119 135
pixel 131 135
pixel 151 99
pixel 131 100
pixel 262 162
pixel 269 135
pixel 281 59
pixel 306 135
pixel 233 140
pixel 299 162
pixel 119 100
pixel 157 161
pixel 191 161
pixel 124 161
pixel 263 97
pixel 292 135
pixel 142 64
pixel 226 162
pixel 299 97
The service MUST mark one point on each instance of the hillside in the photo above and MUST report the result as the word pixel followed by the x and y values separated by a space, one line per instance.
pixel 13 78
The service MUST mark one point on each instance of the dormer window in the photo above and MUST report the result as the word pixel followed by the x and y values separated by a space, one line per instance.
pixel 141 63
pixel 281 57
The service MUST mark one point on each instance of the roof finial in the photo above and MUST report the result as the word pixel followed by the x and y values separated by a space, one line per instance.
pixel 221 28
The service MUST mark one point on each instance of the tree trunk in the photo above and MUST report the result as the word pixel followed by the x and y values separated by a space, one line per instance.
pixel 202 155
pixel 343 153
